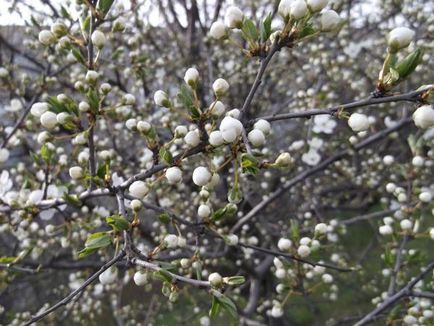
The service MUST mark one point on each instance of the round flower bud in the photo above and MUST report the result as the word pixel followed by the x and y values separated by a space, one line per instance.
pixel 98 39
pixel 263 125
pixel 316 5
pixel 399 38
pixel 185 263
pixel 108 276
pixel 406 224
pixel 3 72
pixel 46 37
pixel 220 87
pixel 298 9
pixel 388 159
pixel 138 189
pixel 140 278
pixel 129 99
pixel 234 17
pixel 191 77
pixel 284 244
pixel 174 175
pixel 231 129
pixel 4 155
pixel 49 120
pixel 423 117
pixel 216 138
pixel 83 106
pixel 358 122
pixel 204 211
pixel 327 278
pixel 76 172
pixel 232 240
pixel 136 205
pixel 431 233
pixel 143 126
pixel 161 98
pixel 63 118
pixel 330 20
pixel 192 138
pixel 38 109
pixel 321 228
pixel 201 176
pixel 181 131
pixel 105 88
pixel 218 108
pixel 218 30
pixel 425 197
pixel 276 311
pixel 171 241
pixel 284 8
pixel 131 124
pixel 91 76
pixel 215 279
pixel 390 187
pixel 417 161
pixel 59 29
pixel 303 251
pixel 283 160
pixel 256 137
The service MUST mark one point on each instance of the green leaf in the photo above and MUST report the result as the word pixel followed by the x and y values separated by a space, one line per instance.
pixel 215 308
pixel 86 24
pixel 249 164
pixel 295 230
pixel 64 12
pixel 73 200
pixel 234 280
pixel 249 31
pixel 164 218
pixel 117 222
pixel 77 55
pixel 166 155
pixel 7 259
pixel 46 153
pixel 266 28
pixel 219 214
pixel 226 303
pixel 163 275
pixel 307 30
pixel 104 5
pixel 93 100
pixel 407 65
pixel 389 259
pixel 94 242
pixel 186 97
pixel 235 196
pixel 55 105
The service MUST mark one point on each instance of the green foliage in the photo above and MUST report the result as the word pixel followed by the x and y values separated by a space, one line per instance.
pixel 222 301
pixel 94 242
pixel 407 65
pixel 117 222
pixel 166 156
pixel 266 28
pixel 249 31
pixel 186 97
pixel 104 5
pixel 249 164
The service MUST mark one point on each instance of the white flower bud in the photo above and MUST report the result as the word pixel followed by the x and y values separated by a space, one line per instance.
pixel 231 129
pixel 321 228
pixel 191 77
pixel 234 17
pixel 138 189
pixel 143 126
pixel 59 29
pixel 232 240
pixel 317 5
pixel 204 211
pixel 303 251
pixel 192 138
pixel 284 244
pixel 108 276
pixel 327 278
pixel 161 98
pixel 218 108
pixel 98 39
pixel 388 160
pixel 49 120
pixel 263 125
pixel 284 160
pixel 76 172
pixel 129 99
pixel 83 106
pixel 4 155
pixel 399 38
pixel 284 8
pixel 390 187
pixel 358 122
pixel 140 278
pixel 216 138
pixel 49 229
pixel 39 108
pixel 131 124
pixel 105 88
pixel 181 131
pixel 171 241
pixel 406 224
pixel 46 37
pixel 215 279
pixel 218 30
pixel 276 311
pixel 431 233
pixel 201 176
pixel 256 137
pixel 43 137
pixel 425 197
pixel 298 9
pixel 63 118
pixel 3 72
pixel 91 76
pixel 423 117
pixel 330 20
pixel 220 87
pixel 418 161
pixel 174 175
pixel 136 205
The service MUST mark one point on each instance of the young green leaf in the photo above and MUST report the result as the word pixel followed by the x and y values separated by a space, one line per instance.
pixel 117 222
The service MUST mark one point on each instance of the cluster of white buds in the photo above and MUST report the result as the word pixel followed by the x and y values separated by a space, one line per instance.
pixel 260 129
